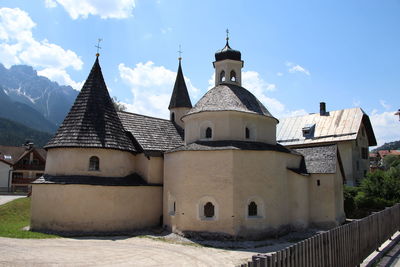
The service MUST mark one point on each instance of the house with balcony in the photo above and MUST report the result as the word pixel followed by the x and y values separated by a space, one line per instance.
pixel 19 166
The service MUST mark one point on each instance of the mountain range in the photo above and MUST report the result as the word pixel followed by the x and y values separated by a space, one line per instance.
pixel 32 100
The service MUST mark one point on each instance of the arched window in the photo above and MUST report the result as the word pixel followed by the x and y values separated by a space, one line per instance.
pixel 233 76
pixel 247 133
pixel 173 117
pixel 94 163
pixel 208 132
pixel 252 209
pixel 209 210
pixel 222 76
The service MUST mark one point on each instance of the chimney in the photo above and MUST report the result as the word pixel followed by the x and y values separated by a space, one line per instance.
pixel 322 108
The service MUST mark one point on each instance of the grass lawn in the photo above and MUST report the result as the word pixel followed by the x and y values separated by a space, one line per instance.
pixel 14 216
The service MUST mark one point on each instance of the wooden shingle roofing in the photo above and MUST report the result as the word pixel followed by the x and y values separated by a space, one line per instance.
pixel 229 97
pixel 152 134
pixel 180 96
pixel 92 121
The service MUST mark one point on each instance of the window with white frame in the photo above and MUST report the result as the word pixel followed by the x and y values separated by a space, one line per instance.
pixel 254 208
pixel 207 209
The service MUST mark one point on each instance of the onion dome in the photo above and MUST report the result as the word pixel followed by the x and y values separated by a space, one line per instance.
pixel 228 53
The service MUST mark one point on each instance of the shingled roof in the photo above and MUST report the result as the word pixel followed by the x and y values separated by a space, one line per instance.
pixel 180 96
pixel 232 145
pixel 152 134
pixel 230 97
pixel 92 121
pixel 321 159
pixel 133 179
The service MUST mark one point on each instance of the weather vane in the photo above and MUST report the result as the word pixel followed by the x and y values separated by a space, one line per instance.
pixel 98 46
pixel 180 53
pixel 227 34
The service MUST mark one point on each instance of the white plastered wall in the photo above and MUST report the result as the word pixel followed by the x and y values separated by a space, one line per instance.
pixel 75 161
pixel 4 173
pixel 230 125
pixel 88 208
pixel 150 168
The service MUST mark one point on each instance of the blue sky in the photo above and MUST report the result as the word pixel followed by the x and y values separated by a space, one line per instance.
pixel 296 53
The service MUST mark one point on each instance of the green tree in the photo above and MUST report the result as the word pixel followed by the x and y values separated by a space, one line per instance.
pixel 118 105
pixel 391 161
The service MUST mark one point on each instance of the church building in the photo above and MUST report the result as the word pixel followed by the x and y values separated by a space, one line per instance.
pixel 214 167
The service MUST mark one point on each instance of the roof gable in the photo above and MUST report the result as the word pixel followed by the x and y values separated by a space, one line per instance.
pixel 92 121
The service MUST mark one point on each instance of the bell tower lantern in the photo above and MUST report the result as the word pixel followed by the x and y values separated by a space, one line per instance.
pixel 228 65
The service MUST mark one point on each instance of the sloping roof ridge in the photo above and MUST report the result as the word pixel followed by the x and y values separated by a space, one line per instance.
pixel 180 95
pixel 317 113
pixel 147 116
pixel 92 120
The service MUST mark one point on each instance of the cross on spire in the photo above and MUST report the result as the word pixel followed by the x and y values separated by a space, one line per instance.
pixel 227 34
pixel 98 46
pixel 180 53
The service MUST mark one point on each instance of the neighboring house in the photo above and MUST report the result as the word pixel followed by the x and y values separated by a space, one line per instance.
pixel 374 161
pixel 215 167
pixel 19 166
pixel 5 170
pixel 376 158
pixel 350 129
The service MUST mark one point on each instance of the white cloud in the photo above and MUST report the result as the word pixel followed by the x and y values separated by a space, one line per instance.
pixel 166 30
pixel 293 68
pixel 386 126
pixel 279 74
pixel 18 46
pixel 61 77
pixel 50 3
pixel 384 105
pixel 151 87
pixel 252 81
pixel 356 103
pixel 106 9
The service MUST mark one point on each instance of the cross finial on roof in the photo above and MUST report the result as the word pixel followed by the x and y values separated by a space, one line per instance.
pixel 180 53
pixel 98 46
pixel 227 34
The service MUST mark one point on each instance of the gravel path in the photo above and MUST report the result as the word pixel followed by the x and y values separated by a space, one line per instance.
pixel 133 251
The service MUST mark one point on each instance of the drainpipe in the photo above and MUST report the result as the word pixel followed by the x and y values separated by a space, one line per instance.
pixel 9 179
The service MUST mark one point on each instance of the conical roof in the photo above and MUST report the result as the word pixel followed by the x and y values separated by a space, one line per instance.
pixel 92 121
pixel 180 96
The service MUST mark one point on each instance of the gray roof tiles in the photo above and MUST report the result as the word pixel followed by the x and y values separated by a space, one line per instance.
pixel 92 121
pixel 230 97
pixel 180 96
pixel 133 179
pixel 232 145
pixel 320 159
pixel 152 134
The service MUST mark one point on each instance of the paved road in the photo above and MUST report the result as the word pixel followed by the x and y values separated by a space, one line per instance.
pixel 7 198
pixel 132 251
pixel 392 258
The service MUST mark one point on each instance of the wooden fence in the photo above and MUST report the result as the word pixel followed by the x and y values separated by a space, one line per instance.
pixel 346 246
